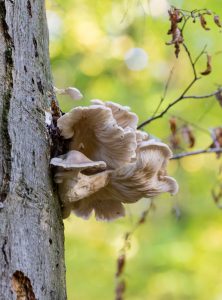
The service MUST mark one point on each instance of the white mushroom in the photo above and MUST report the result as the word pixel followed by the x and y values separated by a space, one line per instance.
pixel 72 92
pixel 109 162
pixel 141 136
pixel 73 185
pixel 94 131
pixel 75 160
pixel 145 178
pixel 121 114
pixel 102 204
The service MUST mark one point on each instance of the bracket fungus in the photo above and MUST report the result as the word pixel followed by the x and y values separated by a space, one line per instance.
pixel 109 162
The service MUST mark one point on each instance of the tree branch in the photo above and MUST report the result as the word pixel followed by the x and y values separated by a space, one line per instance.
pixel 182 96
pixel 203 96
pixel 197 152
pixel 164 93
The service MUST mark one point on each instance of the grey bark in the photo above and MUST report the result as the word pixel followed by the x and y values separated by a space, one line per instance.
pixel 31 227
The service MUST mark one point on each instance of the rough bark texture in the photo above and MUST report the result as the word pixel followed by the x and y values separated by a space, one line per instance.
pixel 31 228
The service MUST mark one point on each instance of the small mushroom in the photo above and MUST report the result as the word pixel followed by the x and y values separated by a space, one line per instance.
pixel 76 161
pixel 73 184
pixel 141 136
pixel 72 92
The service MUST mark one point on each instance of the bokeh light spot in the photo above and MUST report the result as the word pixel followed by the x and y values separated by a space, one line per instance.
pixel 136 59
pixel 54 24
pixel 158 7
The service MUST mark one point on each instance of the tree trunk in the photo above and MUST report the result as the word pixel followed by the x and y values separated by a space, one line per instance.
pixel 31 227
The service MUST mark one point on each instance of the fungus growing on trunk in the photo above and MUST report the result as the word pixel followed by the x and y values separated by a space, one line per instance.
pixel 72 92
pixel 109 162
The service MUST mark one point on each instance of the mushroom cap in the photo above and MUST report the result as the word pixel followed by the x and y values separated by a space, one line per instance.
pixel 156 146
pixel 141 136
pixel 95 132
pixel 121 114
pixel 73 92
pixel 73 162
pixel 76 160
pixel 144 178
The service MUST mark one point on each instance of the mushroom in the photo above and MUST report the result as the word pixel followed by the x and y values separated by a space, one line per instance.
pixel 121 114
pixel 74 162
pixel 141 136
pixel 72 92
pixel 146 178
pixel 110 162
pixel 102 204
pixel 73 184
pixel 94 131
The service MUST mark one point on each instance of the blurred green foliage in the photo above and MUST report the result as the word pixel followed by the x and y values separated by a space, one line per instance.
pixel 169 258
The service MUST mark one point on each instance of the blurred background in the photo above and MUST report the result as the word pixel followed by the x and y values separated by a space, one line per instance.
pixel 115 50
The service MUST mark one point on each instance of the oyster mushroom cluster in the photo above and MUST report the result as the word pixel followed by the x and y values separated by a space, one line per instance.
pixel 109 162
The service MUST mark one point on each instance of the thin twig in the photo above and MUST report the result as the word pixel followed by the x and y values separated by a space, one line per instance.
pixel 207 110
pixel 202 96
pixel 165 92
pixel 201 53
pixel 125 13
pixel 197 152
pixel 182 96
pixel 186 18
pixel 193 62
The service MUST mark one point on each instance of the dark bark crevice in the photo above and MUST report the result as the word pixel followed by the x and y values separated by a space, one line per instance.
pixel 7 94
pixel 4 250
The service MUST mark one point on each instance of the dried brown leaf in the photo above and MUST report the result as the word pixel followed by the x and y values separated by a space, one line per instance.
pixel 174 141
pixel 218 96
pixel 176 37
pixel 188 136
pixel 120 289
pixel 177 50
pixel 175 16
pixel 173 125
pixel 209 66
pixel 217 197
pixel 217 21
pixel 120 264
pixel 216 134
pixel 203 22
pixel 143 217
